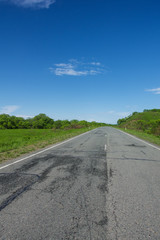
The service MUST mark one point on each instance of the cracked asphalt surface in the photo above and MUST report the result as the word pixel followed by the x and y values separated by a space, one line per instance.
pixel 101 185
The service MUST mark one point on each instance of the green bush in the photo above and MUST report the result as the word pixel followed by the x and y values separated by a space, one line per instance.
pixel 148 121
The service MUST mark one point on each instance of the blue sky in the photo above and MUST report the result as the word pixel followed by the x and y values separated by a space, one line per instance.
pixel 97 60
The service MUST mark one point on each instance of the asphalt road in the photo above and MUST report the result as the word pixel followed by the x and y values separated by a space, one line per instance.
pixel 101 185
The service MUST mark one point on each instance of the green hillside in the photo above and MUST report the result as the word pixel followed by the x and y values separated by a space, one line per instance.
pixel 147 121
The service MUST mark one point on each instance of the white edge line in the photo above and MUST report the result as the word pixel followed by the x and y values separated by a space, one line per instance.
pixel 151 145
pixel 46 149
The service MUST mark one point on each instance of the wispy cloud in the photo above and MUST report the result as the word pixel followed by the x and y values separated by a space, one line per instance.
pixel 31 3
pixel 154 90
pixel 76 68
pixel 9 109
pixel 96 63
pixel 25 116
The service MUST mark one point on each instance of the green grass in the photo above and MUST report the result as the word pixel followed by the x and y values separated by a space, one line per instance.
pixel 15 142
pixel 145 136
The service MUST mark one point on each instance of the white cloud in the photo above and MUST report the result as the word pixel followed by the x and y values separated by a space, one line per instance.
pixel 94 72
pixel 32 3
pixel 64 65
pixel 66 69
pixel 9 109
pixel 70 72
pixel 25 116
pixel 76 68
pixel 96 63
pixel 154 90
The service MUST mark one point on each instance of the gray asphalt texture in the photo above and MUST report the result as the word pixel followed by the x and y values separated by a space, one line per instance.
pixel 101 185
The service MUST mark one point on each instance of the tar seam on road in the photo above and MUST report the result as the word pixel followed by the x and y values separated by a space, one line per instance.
pixel 109 175
pixel 18 192
pixel 54 146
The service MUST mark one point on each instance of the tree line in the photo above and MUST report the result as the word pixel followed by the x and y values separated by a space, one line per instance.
pixel 42 121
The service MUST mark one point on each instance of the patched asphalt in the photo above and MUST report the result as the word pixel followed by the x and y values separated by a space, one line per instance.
pixel 101 185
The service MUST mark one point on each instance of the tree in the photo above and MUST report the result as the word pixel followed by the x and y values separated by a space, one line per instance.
pixel 58 124
pixel 42 121
pixel 4 119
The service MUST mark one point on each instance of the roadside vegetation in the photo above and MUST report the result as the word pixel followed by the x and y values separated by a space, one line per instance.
pixel 19 135
pixel 145 125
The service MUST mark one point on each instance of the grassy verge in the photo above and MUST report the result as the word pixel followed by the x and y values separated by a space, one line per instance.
pixel 145 136
pixel 15 142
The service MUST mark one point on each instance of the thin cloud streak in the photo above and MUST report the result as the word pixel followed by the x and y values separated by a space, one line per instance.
pixel 96 63
pixel 76 68
pixel 31 3
pixel 25 116
pixel 68 71
pixel 154 90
